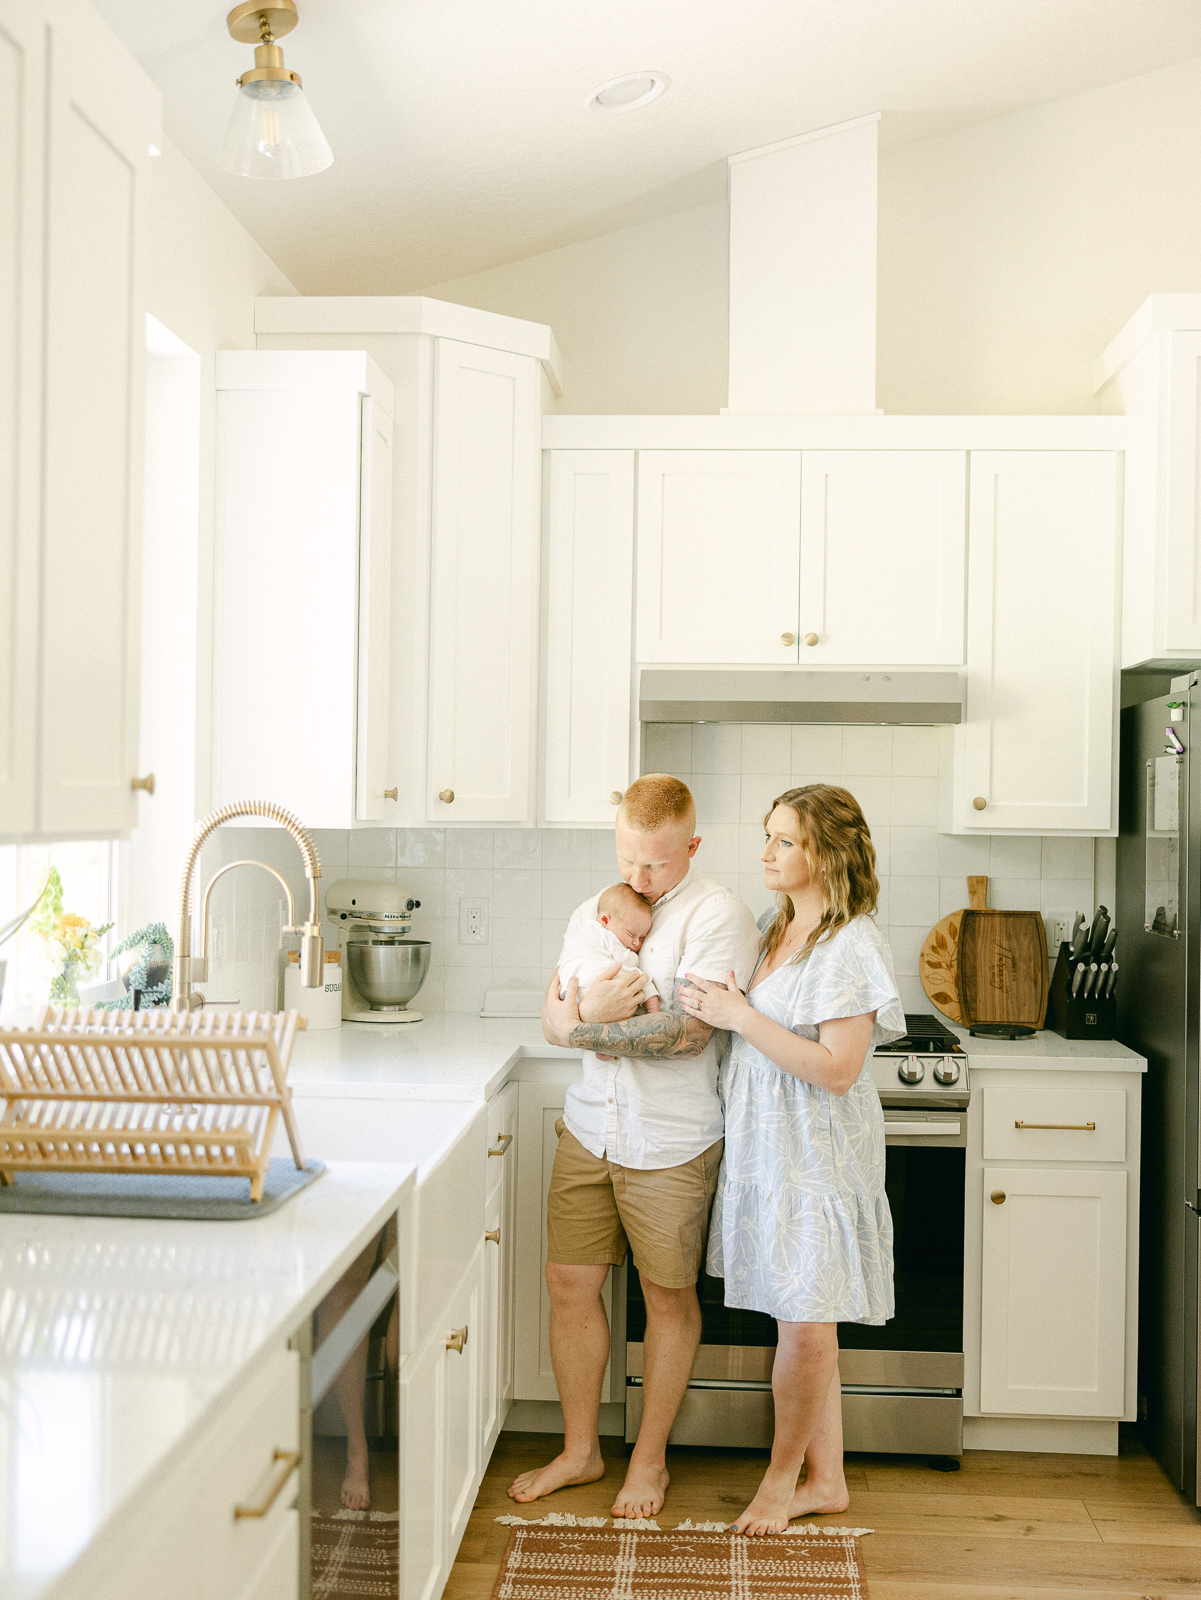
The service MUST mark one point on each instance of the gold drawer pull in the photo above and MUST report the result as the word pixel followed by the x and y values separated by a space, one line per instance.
pixel 289 1461
pixel 457 1340
pixel 979 803
pixel 503 1140
pixel 788 638
pixel 998 1197
pixel 1061 1127
pixel 616 797
pixel 810 638
pixel 446 796
pixel 391 794
pixel 146 783
pixel 492 1235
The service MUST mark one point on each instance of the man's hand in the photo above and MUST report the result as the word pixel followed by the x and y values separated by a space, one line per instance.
pixel 559 1017
pixel 613 997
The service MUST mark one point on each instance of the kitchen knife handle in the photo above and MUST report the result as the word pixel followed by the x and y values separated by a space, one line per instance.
pixel 1090 978
pixel 1077 980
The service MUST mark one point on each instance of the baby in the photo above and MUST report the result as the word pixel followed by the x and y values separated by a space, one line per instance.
pixel 622 922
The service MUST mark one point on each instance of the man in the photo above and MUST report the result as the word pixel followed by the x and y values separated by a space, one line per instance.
pixel 640 1144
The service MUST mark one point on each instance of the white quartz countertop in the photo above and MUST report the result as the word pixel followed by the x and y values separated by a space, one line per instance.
pixel 1051 1052
pixel 120 1337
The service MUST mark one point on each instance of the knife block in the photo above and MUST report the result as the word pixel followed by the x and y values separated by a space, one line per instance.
pixel 1081 1018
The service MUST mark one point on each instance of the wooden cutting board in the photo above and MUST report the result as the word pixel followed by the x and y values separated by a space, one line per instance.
pixel 981 965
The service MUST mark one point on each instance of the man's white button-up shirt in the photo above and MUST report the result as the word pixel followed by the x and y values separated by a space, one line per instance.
pixel 660 1113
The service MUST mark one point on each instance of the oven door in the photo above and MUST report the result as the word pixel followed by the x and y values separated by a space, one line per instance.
pixel 902 1383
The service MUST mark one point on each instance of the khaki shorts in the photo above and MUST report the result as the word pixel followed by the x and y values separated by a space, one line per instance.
pixel 594 1207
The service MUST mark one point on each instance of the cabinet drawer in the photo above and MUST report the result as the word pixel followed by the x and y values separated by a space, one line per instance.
pixel 502 1146
pixel 1054 1124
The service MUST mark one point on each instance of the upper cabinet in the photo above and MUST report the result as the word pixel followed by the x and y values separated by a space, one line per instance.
pixel 718 555
pixel 1152 370
pixel 1035 750
pixel 588 507
pixel 822 557
pixel 78 118
pixel 883 543
pixel 484 586
pixel 301 636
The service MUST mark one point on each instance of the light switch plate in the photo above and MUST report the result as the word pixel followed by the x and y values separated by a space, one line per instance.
pixel 474 921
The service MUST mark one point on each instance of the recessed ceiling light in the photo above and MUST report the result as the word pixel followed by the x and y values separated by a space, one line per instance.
pixel 627 93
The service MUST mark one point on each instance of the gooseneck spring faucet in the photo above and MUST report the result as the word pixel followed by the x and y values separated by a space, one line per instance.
pixel 189 969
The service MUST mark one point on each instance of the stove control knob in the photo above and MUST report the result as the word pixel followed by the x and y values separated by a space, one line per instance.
pixel 911 1070
pixel 946 1069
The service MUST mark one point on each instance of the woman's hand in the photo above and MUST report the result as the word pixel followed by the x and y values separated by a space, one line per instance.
pixel 721 1005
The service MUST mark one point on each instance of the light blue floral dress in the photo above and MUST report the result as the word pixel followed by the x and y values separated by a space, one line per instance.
pixel 801 1228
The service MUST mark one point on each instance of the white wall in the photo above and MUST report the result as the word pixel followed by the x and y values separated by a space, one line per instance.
pixel 1010 253
pixel 641 316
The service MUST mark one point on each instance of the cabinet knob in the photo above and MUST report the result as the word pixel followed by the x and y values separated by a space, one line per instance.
pixel 788 638
pixel 811 638
pixel 616 797
pixel 146 783
pixel 457 1340
pixel 492 1235
pixel 392 794
pixel 998 1197
pixel 979 803
pixel 446 796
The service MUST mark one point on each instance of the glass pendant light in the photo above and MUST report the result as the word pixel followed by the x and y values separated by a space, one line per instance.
pixel 273 132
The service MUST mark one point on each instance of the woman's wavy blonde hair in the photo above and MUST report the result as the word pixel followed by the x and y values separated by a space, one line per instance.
pixel 838 847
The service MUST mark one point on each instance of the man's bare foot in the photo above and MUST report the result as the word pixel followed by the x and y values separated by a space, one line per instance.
pixel 356 1495
pixel 814 1498
pixel 771 1508
pixel 642 1492
pixel 558 1474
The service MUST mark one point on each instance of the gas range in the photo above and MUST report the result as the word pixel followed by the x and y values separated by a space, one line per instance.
pixel 927 1068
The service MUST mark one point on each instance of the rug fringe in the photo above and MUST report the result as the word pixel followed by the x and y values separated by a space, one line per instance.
pixel 688 1526
pixel 347 1515
pixel 560 1519
pixel 812 1527
pixel 554 1519
pixel 636 1522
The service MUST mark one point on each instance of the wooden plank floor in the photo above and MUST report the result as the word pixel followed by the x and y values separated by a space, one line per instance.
pixel 1005 1527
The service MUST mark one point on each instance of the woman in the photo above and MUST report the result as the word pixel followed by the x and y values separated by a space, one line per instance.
pixel 801 1228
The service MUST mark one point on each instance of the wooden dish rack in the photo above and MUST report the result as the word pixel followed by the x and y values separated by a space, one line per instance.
pixel 147 1092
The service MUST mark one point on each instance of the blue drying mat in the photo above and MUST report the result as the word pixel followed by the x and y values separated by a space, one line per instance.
pixel 179 1196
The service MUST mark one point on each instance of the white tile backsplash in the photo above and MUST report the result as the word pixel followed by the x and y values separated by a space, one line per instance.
pixel 533 878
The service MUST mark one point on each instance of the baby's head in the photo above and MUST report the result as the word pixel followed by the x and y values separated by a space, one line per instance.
pixel 626 913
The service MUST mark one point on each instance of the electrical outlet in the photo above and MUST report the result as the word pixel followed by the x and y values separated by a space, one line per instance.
pixel 1059 929
pixel 473 922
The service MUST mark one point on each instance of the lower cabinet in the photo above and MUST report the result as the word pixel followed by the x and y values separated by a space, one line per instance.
pixel 1054 1292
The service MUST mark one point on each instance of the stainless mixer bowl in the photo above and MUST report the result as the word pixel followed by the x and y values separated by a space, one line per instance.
pixel 388 972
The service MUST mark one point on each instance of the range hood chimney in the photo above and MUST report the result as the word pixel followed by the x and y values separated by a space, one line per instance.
pixel 803 273
pixel 918 699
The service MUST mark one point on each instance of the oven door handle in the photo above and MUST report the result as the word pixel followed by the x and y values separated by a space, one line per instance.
pixel 934 1130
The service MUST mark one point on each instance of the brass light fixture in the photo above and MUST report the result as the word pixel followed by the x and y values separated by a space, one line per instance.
pixel 272 132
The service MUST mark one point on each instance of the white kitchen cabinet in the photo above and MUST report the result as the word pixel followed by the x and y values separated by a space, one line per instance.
pixel 1053 1310
pixel 500 1255
pixel 541 1105
pixel 1152 370
pixel 883 557
pixel 1035 752
pixel 78 118
pixel 484 585
pixel 718 551
pixel 588 506
pixel 301 585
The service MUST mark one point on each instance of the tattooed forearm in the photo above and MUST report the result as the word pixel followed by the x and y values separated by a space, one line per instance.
pixel 664 1036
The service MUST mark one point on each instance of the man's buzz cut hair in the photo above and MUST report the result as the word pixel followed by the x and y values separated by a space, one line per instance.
pixel 654 800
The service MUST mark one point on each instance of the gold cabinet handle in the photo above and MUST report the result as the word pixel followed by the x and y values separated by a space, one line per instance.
pixel 446 796
pixel 979 803
pixel 503 1140
pixel 998 1197
pixel 492 1235
pixel 616 797
pixel 457 1340
pixel 1061 1127
pixel 146 783
pixel 392 794
pixel 289 1460
pixel 811 638
pixel 788 638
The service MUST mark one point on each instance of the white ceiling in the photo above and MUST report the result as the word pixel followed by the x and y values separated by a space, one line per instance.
pixel 460 140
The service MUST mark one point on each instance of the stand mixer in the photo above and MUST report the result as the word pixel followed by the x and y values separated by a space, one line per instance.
pixel 383 968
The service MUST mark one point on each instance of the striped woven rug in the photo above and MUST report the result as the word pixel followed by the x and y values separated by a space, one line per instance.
pixel 355 1555
pixel 544 1563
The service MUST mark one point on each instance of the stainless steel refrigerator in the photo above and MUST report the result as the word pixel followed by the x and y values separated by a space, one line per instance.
pixel 1158 915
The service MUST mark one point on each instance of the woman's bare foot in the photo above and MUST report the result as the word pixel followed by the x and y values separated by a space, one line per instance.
pixel 557 1474
pixel 771 1508
pixel 642 1492
pixel 812 1498
pixel 356 1494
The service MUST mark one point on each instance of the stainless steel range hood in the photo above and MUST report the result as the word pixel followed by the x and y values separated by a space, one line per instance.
pixel 683 695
